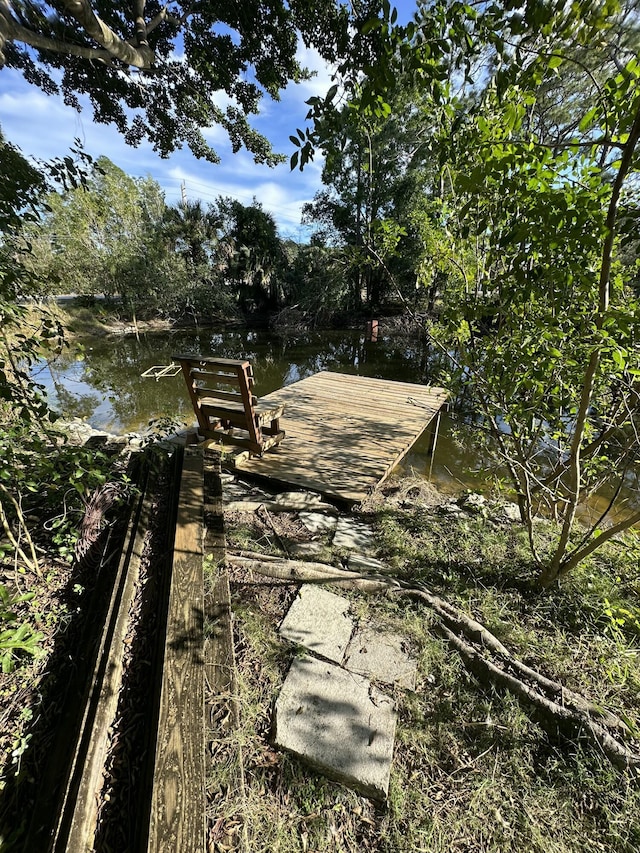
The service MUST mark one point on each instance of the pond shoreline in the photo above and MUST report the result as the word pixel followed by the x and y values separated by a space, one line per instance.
pixel 101 319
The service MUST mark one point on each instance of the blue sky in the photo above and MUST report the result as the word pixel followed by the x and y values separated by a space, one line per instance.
pixel 42 126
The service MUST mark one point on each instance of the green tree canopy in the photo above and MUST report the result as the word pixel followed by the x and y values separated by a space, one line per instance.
pixel 163 72
pixel 254 253
pixel 538 202
pixel 103 237
pixel 20 184
pixel 380 177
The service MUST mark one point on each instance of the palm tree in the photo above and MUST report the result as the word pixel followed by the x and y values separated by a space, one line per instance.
pixel 193 231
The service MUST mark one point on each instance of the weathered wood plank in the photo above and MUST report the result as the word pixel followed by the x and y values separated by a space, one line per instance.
pixel 323 406
pixel 203 391
pixel 178 801
pixel 363 383
pixel 222 710
pixel 344 399
pixel 214 538
pixel 76 824
pixel 81 836
pixel 346 433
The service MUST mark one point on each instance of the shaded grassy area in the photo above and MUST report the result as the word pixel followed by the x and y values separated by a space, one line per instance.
pixel 472 770
pixel 85 317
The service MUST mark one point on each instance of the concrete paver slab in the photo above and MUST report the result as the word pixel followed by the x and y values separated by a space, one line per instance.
pixel 319 621
pixel 354 535
pixel 306 501
pixel 339 723
pixel 318 522
pixel 381 657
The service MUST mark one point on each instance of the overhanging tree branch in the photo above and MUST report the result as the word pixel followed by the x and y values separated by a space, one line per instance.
pixel 110 46
pixel 139 57
pixel 10 30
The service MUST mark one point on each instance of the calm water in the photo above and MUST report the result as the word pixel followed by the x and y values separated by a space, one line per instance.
pixel 100 379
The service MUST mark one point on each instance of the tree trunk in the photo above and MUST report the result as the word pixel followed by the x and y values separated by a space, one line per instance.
pixel 557 564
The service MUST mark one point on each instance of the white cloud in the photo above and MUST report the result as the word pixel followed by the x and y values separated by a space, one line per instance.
pixel 318 85
pixel 215 135
pixel 44 127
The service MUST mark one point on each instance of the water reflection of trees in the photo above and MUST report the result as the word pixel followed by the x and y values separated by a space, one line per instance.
pixel 102 383
pixel 117 397
pixel 65 388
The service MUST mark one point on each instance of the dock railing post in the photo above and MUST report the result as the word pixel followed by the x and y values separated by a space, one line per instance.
pixel 434 440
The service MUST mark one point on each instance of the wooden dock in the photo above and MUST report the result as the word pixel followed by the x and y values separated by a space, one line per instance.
pixel 345 433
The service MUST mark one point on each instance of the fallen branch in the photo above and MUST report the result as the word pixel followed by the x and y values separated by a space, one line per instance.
pixel 281 506
pixel 298 571
pixel 264 515
pixel 555 692
pixel 568 719
pixel 568 711
pixel 32 564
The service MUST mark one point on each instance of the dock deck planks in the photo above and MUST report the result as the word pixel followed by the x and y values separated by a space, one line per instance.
pixel 345 433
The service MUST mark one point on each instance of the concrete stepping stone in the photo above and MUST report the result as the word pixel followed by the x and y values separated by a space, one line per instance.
pixel 354 535
pixel 305 501
pixel 339 723
pixel 381 657
pixel 319 620
pixel 318 522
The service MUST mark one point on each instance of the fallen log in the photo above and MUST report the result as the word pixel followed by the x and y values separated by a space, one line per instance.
pixel 250 506
pixel 298 571
pixel 555 691
pixel 554 703
pixel 568 719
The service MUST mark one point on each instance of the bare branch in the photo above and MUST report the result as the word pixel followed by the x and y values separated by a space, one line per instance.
pixel 163 15
pixel 12 31
pixel 81 11
pixel 140 23
pixel 32 564
pixel 111 46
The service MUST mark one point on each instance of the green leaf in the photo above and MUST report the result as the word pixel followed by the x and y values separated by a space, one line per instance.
pixel 370 25
pixel 330 94
pixel 587 119
pixel 619 358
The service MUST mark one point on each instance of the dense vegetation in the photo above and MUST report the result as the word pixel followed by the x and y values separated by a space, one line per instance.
pixel 114 236
pixel 480 173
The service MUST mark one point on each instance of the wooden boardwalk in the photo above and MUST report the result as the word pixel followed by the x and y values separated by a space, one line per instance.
pixel 345 433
